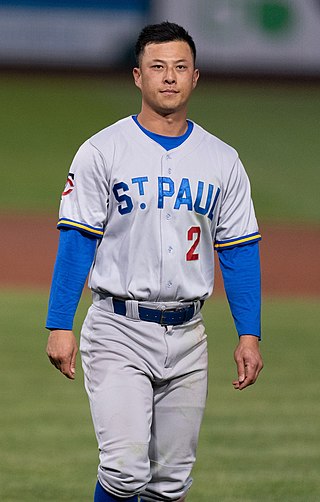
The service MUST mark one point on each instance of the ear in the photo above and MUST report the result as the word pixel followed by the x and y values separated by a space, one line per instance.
pixel 195 78
pixel 136 72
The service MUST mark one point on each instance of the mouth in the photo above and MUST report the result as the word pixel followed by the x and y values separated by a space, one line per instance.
pixel 169 91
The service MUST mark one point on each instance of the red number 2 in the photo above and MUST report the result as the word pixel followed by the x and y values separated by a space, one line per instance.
pixel 193 235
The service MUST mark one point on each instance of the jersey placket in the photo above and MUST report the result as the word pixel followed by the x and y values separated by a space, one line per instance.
pixel 168 244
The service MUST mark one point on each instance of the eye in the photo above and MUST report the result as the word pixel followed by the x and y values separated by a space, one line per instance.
pixel 157 66
pixel 181 67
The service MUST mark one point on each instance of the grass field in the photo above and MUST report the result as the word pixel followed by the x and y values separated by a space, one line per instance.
pixel 44 120
pixel 261 444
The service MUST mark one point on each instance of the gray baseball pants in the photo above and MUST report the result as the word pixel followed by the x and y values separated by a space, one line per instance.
pixel 147 387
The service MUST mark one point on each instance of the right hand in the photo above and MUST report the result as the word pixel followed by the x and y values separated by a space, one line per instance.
pixel 62 350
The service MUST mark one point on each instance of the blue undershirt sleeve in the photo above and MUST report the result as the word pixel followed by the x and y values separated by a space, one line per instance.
pixel 240 267
pixel 75 255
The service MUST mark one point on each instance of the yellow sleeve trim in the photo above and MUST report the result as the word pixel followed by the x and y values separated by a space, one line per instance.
pixel 220 245
pixel 73 224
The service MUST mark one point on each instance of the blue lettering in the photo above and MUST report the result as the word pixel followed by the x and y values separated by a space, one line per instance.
pixel 184 195
pixel 164 193
pixel 140 180
pixel 204 202
pixel 127 208
pixel 197 207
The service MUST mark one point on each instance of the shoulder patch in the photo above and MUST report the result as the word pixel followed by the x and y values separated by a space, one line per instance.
pixel 69 184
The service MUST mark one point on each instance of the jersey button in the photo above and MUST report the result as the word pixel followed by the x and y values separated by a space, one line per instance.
pixel 169 284
pixel 170 249
pixel 168 216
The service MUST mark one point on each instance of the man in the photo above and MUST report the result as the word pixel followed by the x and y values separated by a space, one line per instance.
pixel 147 199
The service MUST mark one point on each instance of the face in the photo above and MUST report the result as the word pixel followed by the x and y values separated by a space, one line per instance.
pixel 166 77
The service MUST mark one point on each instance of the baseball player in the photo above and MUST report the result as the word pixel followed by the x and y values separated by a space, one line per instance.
pixel 146 201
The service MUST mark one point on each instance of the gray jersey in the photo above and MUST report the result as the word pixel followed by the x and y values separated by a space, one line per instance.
pixel 158 214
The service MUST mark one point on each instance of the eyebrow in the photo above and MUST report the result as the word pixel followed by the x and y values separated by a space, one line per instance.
pixel 163 61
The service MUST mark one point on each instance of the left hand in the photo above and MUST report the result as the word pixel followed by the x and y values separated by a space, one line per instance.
pixel 248 360
pixel 62 351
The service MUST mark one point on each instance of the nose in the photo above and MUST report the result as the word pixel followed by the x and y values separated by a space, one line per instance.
pixel 170 77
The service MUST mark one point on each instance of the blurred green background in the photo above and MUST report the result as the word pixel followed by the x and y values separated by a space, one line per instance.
pixel 275 129
pixel 262 444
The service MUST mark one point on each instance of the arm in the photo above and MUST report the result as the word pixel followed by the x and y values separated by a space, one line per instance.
pixel 83 212
pixel 74 259
pixel 240 268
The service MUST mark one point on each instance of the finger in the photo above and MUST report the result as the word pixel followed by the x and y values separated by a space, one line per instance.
pixel 63 366
pixel 251 376
pixel 67 366
pixel 258 369
pixel 65 369
pixel 236 384
pixel 250 371
pixel 54 362
pixel 73 363
pixel 241 370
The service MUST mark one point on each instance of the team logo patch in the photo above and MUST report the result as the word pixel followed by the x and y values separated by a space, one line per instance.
pixel 69 184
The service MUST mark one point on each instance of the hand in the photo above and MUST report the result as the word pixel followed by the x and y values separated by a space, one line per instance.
pixel 249 361
pixel 62 351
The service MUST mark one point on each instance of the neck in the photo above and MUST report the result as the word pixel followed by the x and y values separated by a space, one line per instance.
pixel 172 124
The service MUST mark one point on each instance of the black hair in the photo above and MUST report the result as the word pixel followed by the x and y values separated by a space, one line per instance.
pixel 163 32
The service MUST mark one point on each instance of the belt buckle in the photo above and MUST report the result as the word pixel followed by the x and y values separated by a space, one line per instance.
pixel 161 321
pixel 178 309
pixel 163 312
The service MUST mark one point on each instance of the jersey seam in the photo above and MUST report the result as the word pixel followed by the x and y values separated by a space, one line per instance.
pixel 105 166
pixel 104 163
pixel 230 175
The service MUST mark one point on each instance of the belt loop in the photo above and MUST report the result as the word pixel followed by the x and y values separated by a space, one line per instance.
pixel 104 302
pixel 197 307
pixel 109 303
pixel 132 309
pixel 95 297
